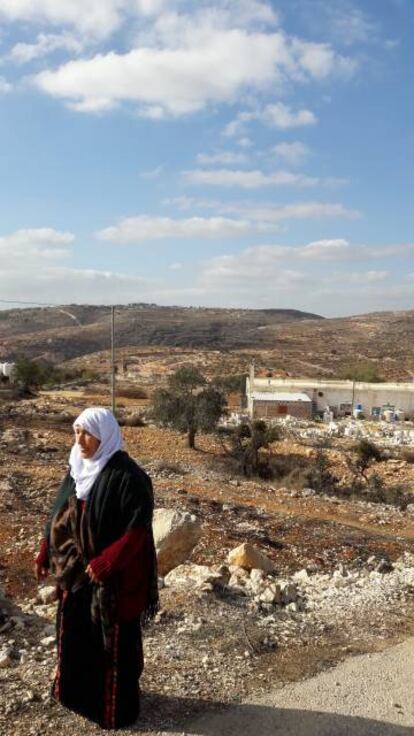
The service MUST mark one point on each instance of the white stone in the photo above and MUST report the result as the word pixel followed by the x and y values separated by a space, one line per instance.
pixel 289 591
pixel 249 557
pixel 256 576
pixel 48 641
pixel 190 575
pixel 176 533
pixel 5 659
pixel 302 576
pixel 46 594
pixel 271 594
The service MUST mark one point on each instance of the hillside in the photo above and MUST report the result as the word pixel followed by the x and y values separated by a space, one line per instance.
pixel 75 330
pixel 286 341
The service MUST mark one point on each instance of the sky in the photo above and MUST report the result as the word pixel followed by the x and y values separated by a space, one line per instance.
pixel 222 153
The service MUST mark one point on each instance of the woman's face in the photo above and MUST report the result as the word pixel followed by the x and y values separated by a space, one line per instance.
pixel 88 444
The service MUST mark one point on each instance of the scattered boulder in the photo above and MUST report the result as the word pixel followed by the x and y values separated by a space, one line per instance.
pixel 176 533
pixel 46 594
pixel 189 575
pixel 48 641
pixel 302 576
pixel 249 557
pixel 6 658
pixel 289 592
pixel 271 594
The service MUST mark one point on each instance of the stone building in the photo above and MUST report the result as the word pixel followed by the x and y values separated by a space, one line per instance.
pixel 274 405
pixel 340 397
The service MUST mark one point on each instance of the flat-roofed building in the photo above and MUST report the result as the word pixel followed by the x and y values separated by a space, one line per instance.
pixel 341 397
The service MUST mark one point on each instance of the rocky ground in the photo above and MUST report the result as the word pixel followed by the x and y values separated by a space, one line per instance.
pixel 340 581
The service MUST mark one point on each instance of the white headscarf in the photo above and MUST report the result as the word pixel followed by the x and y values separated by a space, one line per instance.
pixel 102 424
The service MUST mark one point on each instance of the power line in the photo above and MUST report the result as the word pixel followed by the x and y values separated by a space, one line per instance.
pixel 37 304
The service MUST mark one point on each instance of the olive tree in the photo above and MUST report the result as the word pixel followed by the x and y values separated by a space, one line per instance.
pixel 188 404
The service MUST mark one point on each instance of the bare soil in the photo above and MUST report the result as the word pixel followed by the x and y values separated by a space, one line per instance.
pixel 317 533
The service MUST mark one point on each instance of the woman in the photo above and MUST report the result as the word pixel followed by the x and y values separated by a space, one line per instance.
pixel 100 545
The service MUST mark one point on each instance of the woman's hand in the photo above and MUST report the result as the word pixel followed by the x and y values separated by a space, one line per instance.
pixel 41 562
pixel 92 575
pixel 40 572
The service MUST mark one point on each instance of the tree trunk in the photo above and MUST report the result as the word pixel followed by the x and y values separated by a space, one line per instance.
pixel 191 438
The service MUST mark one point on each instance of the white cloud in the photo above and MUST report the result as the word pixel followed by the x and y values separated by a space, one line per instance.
pixel 184 62
pixel 276 115
pixel 248 179
pixel 33 246
pixel 264 275
pixel 294 153
pixel 352 25
pixel 245 142
pixel 46 43
pixel 268 212
pixel 397 250
pixel 143 227
pixel 278 275
pixel 150 7
pixel 247 269
pixel 178 81
pixel 299 211
pixel 97 18
pixel 340 20
pixel 371 276
pixel 5 86
pixel 31 270
pixel 326 249
pixel 391 43
pixel 152 173
pixel 61 285
pixel 281 116
pixel 223 157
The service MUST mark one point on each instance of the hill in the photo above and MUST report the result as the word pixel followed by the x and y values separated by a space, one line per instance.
pixel 75 330
pixel 285 341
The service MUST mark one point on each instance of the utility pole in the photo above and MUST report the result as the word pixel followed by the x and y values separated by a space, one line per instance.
pixel 113 360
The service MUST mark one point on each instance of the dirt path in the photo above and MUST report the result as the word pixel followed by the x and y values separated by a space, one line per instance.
pixel 369 695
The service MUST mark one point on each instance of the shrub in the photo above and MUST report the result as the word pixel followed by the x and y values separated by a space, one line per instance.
pixel 377 492
pixel 360 371
pixel 366 453
pixel 407 454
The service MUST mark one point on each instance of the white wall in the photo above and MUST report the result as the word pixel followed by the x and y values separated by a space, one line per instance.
pixel 399 395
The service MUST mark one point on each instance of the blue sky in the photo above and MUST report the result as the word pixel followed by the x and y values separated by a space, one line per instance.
pixel 220 153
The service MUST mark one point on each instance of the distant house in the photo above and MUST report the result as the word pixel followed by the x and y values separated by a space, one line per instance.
pixel 7 373
pixel 277 404
pixel 273 397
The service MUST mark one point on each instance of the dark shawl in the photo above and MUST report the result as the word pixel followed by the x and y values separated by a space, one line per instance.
pixel 121 499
